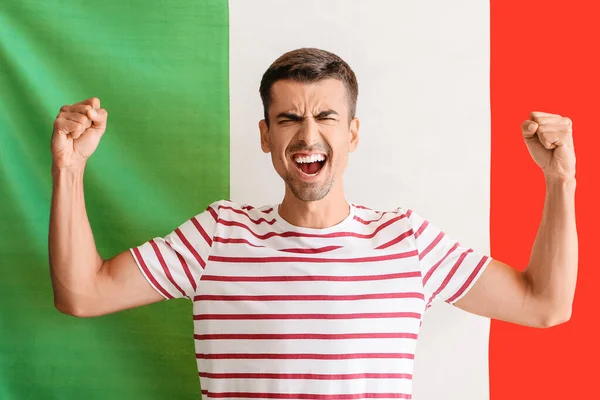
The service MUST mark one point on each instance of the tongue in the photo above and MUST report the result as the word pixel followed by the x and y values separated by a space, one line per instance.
pixel 310 168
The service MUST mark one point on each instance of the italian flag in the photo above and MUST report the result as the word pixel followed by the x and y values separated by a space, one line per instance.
pixel 443 88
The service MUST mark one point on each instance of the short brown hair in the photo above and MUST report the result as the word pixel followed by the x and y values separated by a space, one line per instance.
pixel 309 65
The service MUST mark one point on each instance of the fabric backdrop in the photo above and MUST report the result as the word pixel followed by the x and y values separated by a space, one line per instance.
pixel 443 89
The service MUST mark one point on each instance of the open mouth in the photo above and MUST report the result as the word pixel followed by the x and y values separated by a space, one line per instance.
pixel 310 165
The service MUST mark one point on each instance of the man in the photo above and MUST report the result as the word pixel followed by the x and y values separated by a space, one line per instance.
pixel 314 297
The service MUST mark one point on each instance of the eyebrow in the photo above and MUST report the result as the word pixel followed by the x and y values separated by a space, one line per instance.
pixel 296 117
pixel 326 113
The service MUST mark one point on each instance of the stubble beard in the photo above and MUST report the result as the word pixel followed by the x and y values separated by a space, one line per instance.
pixel 308 191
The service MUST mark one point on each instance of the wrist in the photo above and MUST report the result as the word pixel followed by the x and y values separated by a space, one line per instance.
pixel 560 182
pixel 59 172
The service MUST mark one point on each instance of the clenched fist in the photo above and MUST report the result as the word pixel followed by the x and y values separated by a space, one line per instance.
pixel 77 132
pixel 549 139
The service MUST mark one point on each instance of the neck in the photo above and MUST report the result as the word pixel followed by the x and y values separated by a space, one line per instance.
pixel 324 213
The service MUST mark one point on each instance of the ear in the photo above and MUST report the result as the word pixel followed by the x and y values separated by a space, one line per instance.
pixel 354 137
pixel 265 145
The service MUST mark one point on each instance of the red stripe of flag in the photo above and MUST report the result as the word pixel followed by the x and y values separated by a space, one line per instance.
pixel 524 362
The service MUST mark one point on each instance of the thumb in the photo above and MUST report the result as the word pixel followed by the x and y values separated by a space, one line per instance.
pixel 98 117
pixel 529 127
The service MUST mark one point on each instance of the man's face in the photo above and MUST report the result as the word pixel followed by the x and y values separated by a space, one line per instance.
pixel 309 135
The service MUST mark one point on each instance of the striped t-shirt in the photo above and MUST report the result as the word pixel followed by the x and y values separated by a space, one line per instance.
pixel 284 312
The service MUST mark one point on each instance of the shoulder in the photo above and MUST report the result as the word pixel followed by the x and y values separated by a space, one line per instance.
pixel 367 214
pixel 362 210
pixel 228 208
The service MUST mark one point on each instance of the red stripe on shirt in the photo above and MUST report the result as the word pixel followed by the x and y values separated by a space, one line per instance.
pixel 397 240
pixel 165 267
pixel 469 280
pixel 312 251
pixel 249 208
pixel 235 241
pixel 191 248
pixel 308 297
pixel 213 213
pixel 184 265
pixel 291 250
pixel 302 234
pixel 324 278
pixel 202 231
pixel 450 275
pixel 198 317
pixel 432 245
pixel 364 222
pixel 157 285
pixel 309 396
pixel 437 264
pixel 300 356
pixel 318 377
pixel 304 336
pixel 256 221
pixel 421 229
pixel 312 259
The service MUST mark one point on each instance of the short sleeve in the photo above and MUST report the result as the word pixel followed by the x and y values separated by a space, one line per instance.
pixel 174 264
pixel 448 269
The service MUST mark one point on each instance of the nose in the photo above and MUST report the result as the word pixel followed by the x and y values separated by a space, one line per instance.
pixel 309 131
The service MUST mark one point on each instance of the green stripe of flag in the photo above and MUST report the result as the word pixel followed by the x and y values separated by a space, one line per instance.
pixel 161 70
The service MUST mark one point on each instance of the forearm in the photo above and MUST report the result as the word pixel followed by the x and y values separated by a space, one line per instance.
pixel 74 260
pixel 552 269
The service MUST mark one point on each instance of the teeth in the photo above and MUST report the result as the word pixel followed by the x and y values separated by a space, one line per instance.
pixel 309 159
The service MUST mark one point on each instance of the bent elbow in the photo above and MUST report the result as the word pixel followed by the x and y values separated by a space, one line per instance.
pixel 71 309
pixel 555 318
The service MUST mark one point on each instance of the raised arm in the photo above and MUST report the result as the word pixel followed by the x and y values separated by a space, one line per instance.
pixel 84 284
pixel 542 295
